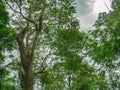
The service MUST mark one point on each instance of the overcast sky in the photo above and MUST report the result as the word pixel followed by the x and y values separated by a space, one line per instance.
pixel 88 10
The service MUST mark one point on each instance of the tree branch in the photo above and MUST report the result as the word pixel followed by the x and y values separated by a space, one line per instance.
pixel 106 6
pixel 42 65
pixel 39 29
pixel 34 43
pixel 27 38
pixel 20 12
pixel 41 16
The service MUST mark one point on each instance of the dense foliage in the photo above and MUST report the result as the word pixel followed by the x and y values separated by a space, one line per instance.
pixel 53 53
pixel 7 37
pixel 104 44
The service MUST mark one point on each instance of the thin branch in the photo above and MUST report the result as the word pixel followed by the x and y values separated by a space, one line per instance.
pixel 20 12
pixel 34 43
pixel 28 36
pixel 42 65
pixel 39 29
pixel 106 5
pixel 11 7
pixel 46 57
pixel 41 16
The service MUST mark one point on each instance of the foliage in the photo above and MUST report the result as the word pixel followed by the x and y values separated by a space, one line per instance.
pixel 7 36
pixel 51 46
pixel 104 44
pixel 37 22
pixel 3 15
pixel 60 78
pixel 7 40
pixel 69 72
pixel 7 81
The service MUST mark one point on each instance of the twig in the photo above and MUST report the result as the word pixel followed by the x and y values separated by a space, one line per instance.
pixel 106 5
pixel 20 12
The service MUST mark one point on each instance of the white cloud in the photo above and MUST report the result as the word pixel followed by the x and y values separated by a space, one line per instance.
pixel 100 6
pixel 88 10
pixel 87 21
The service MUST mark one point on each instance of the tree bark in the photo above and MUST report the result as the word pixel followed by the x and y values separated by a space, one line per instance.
pixel 26 72
pixel 26 77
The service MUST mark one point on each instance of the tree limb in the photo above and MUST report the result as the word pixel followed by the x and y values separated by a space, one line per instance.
pixel 39 29
pixel 43 67
pixel 106 6
pixel 20 12
pixel 41 16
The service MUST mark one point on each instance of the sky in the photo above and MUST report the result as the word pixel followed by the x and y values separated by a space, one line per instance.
pixel 88 10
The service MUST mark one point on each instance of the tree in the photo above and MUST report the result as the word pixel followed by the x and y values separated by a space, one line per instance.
pixel 77 74
pixel 50 46
pixel 59 77
pixel 104 44
pixel 33 21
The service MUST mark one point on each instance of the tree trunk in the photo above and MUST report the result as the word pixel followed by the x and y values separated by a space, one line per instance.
pixel 27 80
pixel 26 77
pixel 26 71
pixel 27 52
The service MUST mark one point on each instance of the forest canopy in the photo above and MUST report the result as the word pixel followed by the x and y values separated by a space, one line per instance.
pixel 42 47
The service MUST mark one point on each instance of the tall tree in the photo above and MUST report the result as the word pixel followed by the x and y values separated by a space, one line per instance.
pixel 33 20
pixel 104 44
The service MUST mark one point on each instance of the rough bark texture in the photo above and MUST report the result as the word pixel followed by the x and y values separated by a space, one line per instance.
pixel 26 73
pixel 26 57
pixel 27 79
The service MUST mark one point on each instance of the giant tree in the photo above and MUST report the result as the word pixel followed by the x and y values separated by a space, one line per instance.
pixel 34 20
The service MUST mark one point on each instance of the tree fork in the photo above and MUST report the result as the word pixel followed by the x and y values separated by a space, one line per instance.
pixel 26 73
